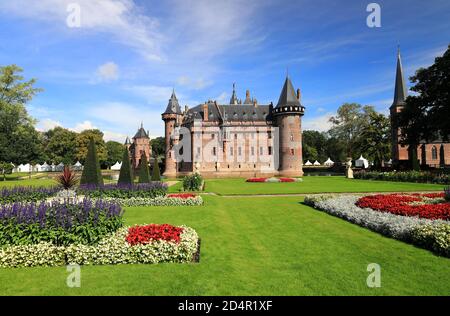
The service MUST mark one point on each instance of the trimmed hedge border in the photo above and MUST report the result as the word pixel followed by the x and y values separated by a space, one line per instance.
pixel 158 201
pixel 433 235
pixel 113 249
pixel 404 176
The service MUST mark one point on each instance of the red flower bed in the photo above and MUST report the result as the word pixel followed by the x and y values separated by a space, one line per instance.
pixel 287 180
pixel 146 234
pixel 257 180
pixel 402 205
pixel 181 195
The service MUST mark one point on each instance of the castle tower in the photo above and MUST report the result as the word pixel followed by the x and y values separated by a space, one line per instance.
pixel 171 118
pixel 398 152
pixel 288 118
pixel 140 147
pixel 127 143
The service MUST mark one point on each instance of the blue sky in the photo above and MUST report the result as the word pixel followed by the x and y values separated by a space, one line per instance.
pixel 120 66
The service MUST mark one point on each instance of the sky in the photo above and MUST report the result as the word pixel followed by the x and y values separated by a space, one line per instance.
pixel 118 67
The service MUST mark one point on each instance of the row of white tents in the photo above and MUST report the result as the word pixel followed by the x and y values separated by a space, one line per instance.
pixel 45 167
pixel 361 162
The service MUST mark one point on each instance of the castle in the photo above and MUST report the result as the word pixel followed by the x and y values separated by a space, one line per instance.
pixel 139 147
pixel 430 154
pixel 239 139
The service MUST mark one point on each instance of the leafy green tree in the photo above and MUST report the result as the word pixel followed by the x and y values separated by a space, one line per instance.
pixel 314 146
pixel 335 149
pixel 91 171
pixel 60 145
pixel 19 141
pixel 83 140
pixel 159 147
pixel 156 176
pixel 5 168
pixel 114 152
pixel 375 139
pixel 144 173
pixel 348 124
pixel 126 172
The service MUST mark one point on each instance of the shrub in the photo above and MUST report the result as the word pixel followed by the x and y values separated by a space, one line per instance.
pixel 67 179
pixel 434 237
pixel 158 201
pixel 406 176
pixel 124 191
pixel 447 194
pixel 156 176
pixel 27 194
pixel 58 223
pixel 126 172
pixel 192 182
pixel 91 171
pixel 112 249
pixel 144 174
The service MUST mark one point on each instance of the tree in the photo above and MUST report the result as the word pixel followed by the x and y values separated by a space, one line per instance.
pixel 144 174
pixel 5 168
pixel 114 152
pixel 350 121
pixel 375 139
pixel 19 141
pixel 60 145
pixel 126 172
pixel 159 147
pixel 83 140
pixel 314 146
pixel 91 171
pixel 156 176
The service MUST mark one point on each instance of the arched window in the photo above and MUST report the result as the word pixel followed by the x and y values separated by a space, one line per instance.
pixel 434 153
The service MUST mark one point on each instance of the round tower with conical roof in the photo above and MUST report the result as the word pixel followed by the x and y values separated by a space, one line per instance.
pixel 287 116
pixel 171 117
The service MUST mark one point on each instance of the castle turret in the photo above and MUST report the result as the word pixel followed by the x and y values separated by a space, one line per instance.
pixel 171 118
pixel 288 118
pixel 140 147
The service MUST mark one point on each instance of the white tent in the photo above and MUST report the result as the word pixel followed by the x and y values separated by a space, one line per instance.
pixel 53 167
pixel 329 162
pixel 59 167
pixel 46 167
pixel 308 163
pixel 78 166
pixel 37 167
pixel 116 166
pixel 24 168
pixel 316 163
pixel 362 162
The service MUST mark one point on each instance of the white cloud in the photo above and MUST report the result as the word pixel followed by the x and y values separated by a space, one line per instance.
pixel 79 127
pixel 107 72
pixel 222 98
pixel 156 95
pixel 318 123
pixel 196 84
pixel 47 124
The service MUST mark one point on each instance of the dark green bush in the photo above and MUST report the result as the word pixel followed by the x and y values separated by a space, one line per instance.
pixel 192 182
pixel 124 191
pixel 126 172
pixel 144 173
pixel 405 176
pixel 156 176
pixel 91 171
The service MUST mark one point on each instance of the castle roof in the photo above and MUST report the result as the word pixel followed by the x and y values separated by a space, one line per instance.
pixel 229 112
pixel 127 141
pixel 234 99
pixel 173 107
pixel 400 92
pixel 141 133
pixel 288 95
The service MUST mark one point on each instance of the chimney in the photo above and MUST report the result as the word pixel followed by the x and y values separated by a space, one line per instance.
pixel 255 103
pixel 298 94
pixel 205 112
pixel 186 109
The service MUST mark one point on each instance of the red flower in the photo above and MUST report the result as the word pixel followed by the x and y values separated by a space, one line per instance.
pixel 403 205
pixel 181 195
pixel 257 180
pixel 287 179
pixel 146 234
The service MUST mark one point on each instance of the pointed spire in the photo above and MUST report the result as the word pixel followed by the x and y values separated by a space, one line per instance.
pixel 400 92
pixel 288 95
pixel 127 141
pixel 234 99
pixel 173 107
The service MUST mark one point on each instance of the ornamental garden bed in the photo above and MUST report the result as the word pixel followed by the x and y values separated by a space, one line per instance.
pixel 87 232
pixel 273 180
pixel 420 219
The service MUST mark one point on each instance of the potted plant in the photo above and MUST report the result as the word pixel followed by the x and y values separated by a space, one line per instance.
pixel 68 180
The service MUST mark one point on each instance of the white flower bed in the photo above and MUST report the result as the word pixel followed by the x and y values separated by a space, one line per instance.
pixel 430 234
pixel 158 201
pixel 113 249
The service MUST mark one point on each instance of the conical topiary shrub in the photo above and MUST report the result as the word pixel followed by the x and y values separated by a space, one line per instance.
pixel 91 171
pixel 126 172
pixel 144 173
pixel 156 176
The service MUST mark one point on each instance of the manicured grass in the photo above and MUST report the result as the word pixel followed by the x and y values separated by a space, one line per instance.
pixel 313 185
pixel 255 246
pixel 27 182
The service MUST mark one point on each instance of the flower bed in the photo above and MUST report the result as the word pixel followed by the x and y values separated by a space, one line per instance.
pixel 159 201
pixel 427 233
pixel 273 180
pixel 431 206
pixel 58 223
pixel 146 234
pixel 27 194
pixel 124 191
pixel 112 249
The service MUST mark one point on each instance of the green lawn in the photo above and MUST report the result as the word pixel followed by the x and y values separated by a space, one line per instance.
pixel 255 246
pixel 312 185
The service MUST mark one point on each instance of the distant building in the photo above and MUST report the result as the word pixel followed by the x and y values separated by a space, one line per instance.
pixel 430 154
pixel 139 147
pixel 237 139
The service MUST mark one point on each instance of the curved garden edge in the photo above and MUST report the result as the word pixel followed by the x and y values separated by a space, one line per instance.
pixel 113 249
pixel 432 235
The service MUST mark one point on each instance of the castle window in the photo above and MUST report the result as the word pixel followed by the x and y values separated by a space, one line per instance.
pixel 231 151
pixel 198 151
pixel 239 151
pixel 261 152
pixel 270 150
pixel 253 151
pixel 235 136
pixel 292 137
pixel 434 153
pixel 212 136
pixel 292 151
pixel 214 151
pixel 269 134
